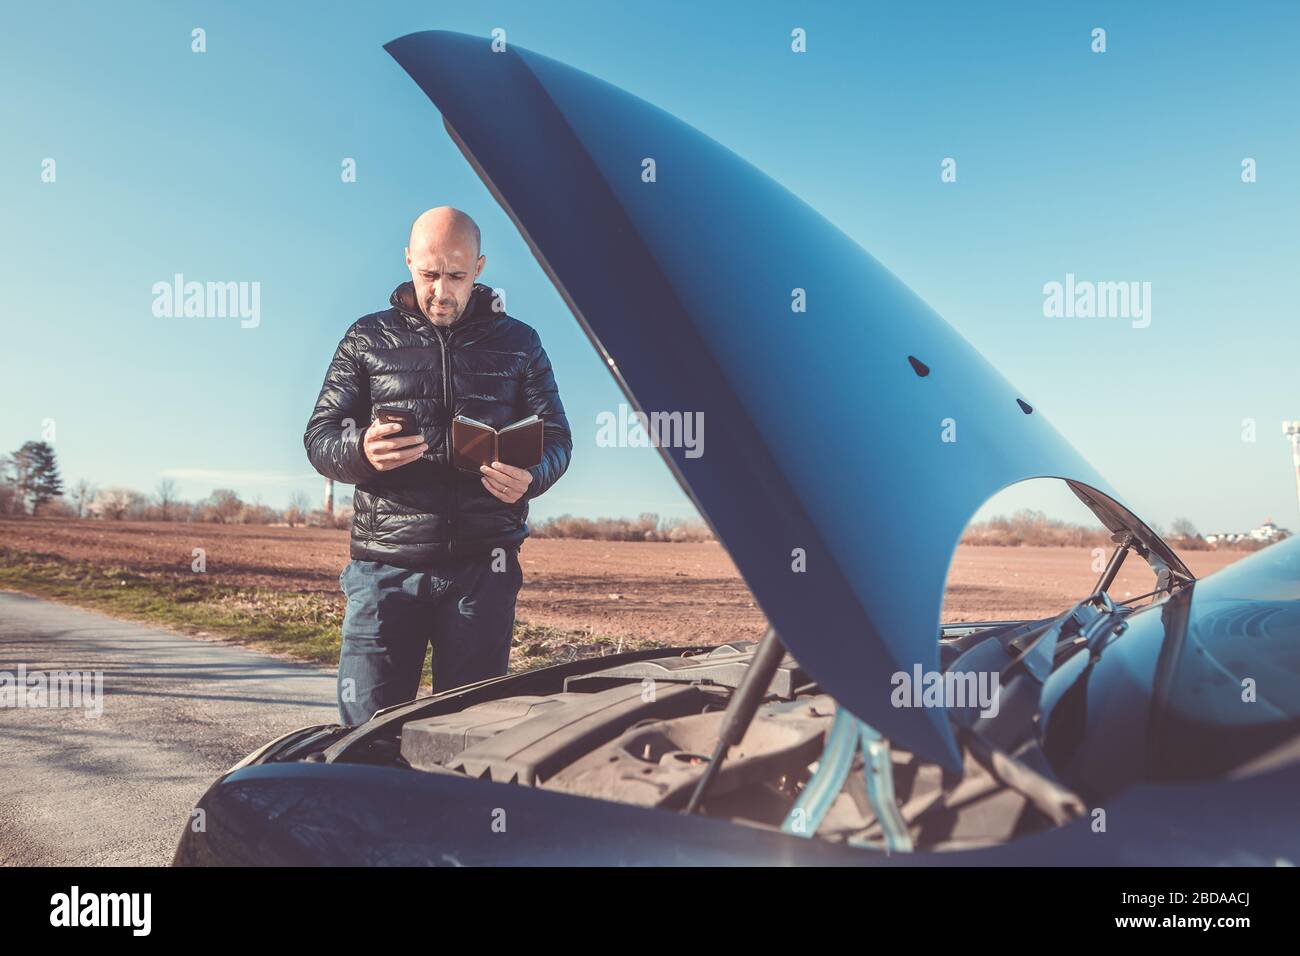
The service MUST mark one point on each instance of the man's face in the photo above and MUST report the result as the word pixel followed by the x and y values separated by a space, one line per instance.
pixel 443 269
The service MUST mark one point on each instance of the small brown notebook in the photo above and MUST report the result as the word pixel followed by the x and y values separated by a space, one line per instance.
pixel 474 444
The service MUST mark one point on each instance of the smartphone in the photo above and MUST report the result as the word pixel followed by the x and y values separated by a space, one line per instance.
pixel 390 413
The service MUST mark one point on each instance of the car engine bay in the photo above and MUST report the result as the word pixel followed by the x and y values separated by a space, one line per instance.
pixel 641 731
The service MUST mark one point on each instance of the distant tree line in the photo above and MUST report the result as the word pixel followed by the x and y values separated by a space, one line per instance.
pixel 30 484
pixel 1028 527
pixel 647 527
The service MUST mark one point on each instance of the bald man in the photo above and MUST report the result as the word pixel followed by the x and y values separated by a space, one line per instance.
pixel 434 550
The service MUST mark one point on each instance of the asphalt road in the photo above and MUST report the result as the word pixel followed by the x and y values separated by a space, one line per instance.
pixel 116 789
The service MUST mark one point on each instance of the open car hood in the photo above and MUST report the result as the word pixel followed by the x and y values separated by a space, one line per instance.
pixel 824 470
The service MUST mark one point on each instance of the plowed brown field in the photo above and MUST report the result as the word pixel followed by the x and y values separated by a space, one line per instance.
pixel 675 593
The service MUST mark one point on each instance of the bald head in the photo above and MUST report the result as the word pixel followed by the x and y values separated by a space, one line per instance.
pixel 442 224
pixel 443 254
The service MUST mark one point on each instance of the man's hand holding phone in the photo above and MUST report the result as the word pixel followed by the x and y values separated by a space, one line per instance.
pixel 386 450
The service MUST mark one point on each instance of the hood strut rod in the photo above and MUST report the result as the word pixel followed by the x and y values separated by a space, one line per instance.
pixel 740 709
pixel 1124 540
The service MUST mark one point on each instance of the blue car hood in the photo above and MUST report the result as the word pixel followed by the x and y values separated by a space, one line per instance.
pixel 826 385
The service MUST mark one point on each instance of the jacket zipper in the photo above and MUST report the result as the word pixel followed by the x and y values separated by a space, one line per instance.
pixel 445 343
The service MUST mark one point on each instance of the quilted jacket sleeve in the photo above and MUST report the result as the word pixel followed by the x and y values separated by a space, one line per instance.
pixel 542 398
pixel 339 421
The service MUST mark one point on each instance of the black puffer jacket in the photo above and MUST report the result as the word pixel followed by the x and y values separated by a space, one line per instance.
pixel 486 366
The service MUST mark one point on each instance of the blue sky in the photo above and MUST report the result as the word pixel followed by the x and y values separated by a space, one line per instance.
pixel 225 166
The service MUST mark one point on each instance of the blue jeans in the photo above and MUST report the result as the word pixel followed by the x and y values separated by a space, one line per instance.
pixel 462 605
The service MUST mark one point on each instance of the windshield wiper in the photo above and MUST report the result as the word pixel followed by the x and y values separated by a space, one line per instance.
pixel 1089 623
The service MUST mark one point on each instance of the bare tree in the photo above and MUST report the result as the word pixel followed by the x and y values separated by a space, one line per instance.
pixel 20 476
pixel 299 506
pixel 257 513
pixel 113 503
pixel 83 493
pixel 166 494
pixel 224 505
